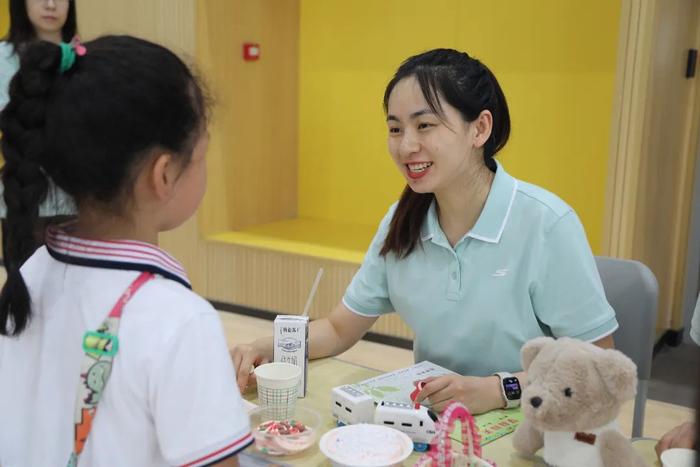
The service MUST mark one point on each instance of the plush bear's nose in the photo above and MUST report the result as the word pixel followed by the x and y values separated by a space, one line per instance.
pixel 536 401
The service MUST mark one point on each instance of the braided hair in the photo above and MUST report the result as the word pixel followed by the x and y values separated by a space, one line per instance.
pixel 89 129
pixel 470 87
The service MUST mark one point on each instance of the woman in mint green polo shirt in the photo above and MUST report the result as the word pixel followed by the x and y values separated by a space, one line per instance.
pixel 475 261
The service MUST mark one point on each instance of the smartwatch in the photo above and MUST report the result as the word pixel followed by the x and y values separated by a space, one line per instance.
pixel 510 389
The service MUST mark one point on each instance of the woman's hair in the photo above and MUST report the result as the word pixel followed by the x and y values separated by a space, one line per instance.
pixel 22 29
pixel 467 85
pixel 90 130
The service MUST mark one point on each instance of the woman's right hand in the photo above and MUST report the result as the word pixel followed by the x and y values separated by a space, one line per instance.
pixel 247 356
pixel 327 336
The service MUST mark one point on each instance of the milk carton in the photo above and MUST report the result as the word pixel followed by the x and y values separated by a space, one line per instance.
pixel 291 344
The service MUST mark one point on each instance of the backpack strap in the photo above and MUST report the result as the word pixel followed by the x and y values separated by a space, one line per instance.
pixel 100 346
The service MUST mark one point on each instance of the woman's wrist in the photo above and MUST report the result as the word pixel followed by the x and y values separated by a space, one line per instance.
pixel 495 392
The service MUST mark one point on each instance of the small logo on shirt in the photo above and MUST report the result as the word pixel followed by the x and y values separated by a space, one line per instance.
pixel 500 273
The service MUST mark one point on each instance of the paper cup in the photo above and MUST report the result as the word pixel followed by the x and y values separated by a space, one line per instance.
pixel 678 457
pixel 278 387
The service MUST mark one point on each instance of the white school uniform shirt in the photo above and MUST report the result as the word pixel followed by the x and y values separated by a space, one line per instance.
pixel 172 397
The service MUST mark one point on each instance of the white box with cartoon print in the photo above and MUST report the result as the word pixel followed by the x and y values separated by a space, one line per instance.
pixel 291 344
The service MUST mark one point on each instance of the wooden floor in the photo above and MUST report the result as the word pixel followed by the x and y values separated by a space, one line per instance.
pixel 660 416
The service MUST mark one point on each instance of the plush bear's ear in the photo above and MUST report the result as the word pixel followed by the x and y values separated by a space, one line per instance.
pixel 618 372
pixel 531 349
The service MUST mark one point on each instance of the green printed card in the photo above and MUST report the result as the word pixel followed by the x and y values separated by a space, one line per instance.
pixel 396 386
pixel 493 425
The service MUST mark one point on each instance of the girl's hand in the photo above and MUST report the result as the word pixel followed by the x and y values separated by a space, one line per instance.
pixel 478 394
pixel 247 356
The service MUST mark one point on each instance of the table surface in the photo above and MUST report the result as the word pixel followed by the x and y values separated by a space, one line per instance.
pixel 328 373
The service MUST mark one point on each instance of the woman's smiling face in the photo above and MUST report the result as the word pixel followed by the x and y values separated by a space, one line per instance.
pixel 431 151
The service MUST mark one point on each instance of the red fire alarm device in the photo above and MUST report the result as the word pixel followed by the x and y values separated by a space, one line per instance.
pixel 251 51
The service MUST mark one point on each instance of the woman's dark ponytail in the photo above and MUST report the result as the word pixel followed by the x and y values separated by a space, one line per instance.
pixel 495 101
pixel 25 182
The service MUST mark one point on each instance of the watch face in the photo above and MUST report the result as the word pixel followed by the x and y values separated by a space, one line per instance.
pixel 511 386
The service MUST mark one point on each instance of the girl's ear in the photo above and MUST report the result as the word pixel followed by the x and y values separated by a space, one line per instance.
pixel 162 175
pixel 483 125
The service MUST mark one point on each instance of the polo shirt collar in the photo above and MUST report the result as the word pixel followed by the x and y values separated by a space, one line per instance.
pixel 431 225
pixel 492 221
pixel 126 255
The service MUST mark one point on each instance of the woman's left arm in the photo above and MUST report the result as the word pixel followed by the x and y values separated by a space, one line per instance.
pixel 478 393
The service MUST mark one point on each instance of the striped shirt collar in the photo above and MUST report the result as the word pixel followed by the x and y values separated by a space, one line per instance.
pixel 127 255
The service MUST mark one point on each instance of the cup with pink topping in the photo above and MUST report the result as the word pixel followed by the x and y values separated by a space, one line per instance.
pixel 284 436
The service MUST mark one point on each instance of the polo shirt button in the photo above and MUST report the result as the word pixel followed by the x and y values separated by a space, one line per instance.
pixel 454 276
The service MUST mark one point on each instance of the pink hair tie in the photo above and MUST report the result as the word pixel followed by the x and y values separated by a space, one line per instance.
pixel 78 46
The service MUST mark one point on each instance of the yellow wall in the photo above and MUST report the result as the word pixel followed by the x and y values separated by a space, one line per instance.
pixel 253 146
pixel 4 17
pixel 555 60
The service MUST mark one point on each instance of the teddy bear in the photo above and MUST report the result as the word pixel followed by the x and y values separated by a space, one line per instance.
pixel 571 402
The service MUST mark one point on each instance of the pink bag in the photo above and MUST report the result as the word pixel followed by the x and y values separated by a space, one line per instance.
pixel 441 453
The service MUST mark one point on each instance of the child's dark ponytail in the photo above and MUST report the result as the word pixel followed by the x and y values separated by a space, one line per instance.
pixel 25 182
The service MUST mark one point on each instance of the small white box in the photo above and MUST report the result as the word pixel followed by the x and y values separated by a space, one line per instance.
pixel 291 344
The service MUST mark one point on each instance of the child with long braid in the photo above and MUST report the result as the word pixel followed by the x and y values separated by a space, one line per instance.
pixel 100 317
